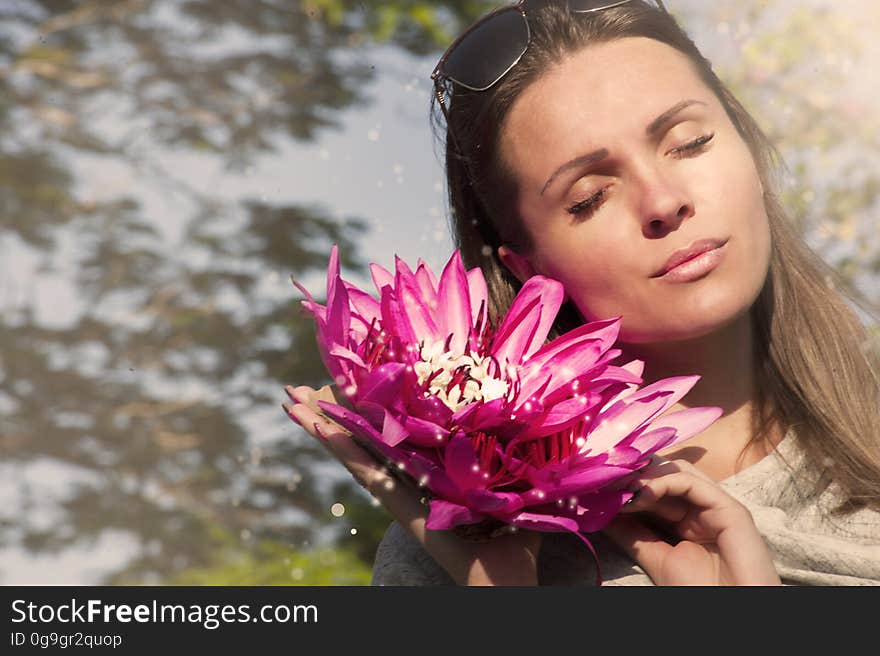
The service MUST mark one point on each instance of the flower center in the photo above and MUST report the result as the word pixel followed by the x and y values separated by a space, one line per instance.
pixel 457 378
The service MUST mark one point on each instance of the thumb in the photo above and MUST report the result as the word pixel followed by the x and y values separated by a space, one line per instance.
pixel 641 543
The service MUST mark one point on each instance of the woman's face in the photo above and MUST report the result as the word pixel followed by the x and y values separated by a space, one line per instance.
pixel 651 194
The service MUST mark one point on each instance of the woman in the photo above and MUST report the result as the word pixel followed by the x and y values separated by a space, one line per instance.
pixel 596 146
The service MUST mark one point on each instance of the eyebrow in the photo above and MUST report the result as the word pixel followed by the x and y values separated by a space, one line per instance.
pixel 653 128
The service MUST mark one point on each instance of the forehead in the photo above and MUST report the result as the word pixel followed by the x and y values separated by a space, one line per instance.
pixel 596 95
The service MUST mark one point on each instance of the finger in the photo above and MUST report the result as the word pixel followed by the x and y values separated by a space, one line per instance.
pixel 309 397
pixel 668 509
pixel 304 395
pixel 306 417
pixel 642 544
pixel 383 482
pixel 712 508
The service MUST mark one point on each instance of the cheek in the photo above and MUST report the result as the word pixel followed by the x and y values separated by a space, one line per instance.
pixel 596 271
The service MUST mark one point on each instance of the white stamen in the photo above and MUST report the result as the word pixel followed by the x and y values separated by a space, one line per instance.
pixel 439 366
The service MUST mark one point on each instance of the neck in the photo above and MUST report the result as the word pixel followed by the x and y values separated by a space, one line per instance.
pixel 725 363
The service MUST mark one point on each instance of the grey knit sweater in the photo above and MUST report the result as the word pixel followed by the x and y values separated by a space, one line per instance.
pixel 808 546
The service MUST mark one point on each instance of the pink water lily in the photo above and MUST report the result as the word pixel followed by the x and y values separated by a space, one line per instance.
pixel 490 417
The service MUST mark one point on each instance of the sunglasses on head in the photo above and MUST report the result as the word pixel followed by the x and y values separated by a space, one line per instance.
pixel 492 46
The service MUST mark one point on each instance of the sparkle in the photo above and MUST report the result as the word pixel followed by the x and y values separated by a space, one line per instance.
pixel 354 531
pixel 337 510
pixel 297 573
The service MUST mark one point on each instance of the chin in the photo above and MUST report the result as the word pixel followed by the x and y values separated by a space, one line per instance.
pixel 686 324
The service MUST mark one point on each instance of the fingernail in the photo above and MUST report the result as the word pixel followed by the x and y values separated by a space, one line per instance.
pixel 318 429
pixel 289 411
pixel 289 391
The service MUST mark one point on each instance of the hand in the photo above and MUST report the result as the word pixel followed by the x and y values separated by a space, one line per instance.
pixel 719 543
pixel 509 559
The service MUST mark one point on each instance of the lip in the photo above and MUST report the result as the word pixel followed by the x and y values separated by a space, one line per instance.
pixel 692 252
pixel 701 262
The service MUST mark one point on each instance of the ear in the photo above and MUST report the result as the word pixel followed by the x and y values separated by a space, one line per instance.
pixel 518 265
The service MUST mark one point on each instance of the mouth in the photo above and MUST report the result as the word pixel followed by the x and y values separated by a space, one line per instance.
pixel 683 255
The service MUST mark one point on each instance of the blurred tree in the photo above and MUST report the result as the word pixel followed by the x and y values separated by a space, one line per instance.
pixel 149 387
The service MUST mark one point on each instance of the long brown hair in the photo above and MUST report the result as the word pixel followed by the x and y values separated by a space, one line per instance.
pixel 815 369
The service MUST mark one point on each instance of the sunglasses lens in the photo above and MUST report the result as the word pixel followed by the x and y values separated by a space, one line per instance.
pixel 488 51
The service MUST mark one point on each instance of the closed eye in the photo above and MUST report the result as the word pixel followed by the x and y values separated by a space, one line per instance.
pixel 584 209
pixel 696 146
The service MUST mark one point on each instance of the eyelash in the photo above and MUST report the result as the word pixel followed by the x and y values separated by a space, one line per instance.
pixel 591 204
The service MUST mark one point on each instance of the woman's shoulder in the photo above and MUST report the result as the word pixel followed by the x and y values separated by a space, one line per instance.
pixel 811 544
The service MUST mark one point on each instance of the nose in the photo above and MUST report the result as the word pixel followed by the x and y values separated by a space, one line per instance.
pixel 664 202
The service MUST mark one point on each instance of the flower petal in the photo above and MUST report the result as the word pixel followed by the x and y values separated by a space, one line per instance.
pixel 516 334
pixel 687 423
pixel 542 522
pixel 604 332
pixel 619 421
pixel 354 423
pixel 393 431
pixel 648 442
pixel 461 463
pixel 445 515
pixel 362 303
pixel 384 385
pixel 341 353
pixel 395 321
pixel 596 511
pixel 413 305
pixel 425 433
pixel 551 485
pixel 479 297
pixel 381 277
pixel 427 284
pixel 522 332
pixel 493 502
pixel 454 304
pixel 677 387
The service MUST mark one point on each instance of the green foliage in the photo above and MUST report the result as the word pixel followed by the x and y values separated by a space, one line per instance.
pixel 273 563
